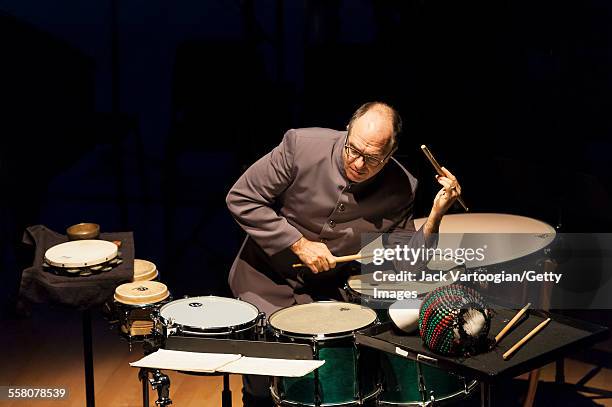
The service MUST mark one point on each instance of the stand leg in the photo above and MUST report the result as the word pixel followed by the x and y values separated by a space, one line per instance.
pixel 143 375
pixel 88 359
pixel 226 395
pixel 534 376
pixel 486 394
pixel 560 371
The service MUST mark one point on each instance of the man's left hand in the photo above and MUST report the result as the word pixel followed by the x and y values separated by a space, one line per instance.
pixel 447 195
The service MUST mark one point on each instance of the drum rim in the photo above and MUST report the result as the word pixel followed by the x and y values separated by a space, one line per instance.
pixel 452 397
pixel 319 337
pixel 356 293
pixel 288 403
pixel 146 282
pixel 163 301
pixel 217 330
pixel 74 265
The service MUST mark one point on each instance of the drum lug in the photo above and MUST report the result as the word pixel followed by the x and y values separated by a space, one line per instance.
pixel 261 324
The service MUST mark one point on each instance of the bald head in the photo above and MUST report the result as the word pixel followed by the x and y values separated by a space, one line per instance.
pixel 371 139
pixel 379 121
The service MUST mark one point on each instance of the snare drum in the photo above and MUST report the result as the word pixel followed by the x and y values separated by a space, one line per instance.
pixel 346 378
pixel 218 317
pixel 134 304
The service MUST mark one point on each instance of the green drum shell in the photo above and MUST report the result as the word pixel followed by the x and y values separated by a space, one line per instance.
pixel 399 376
pixel 401 383
pixel 346 372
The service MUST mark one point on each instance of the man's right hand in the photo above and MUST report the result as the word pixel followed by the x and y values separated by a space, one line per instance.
pixel 316 256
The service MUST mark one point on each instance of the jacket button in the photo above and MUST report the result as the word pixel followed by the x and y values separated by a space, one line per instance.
pixel 331 223
pixel 322 240
pixel 341 207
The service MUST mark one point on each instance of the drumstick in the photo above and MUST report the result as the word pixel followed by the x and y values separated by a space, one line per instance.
pixel 343 259
pixel 525 339
pixel 511 323
pixel 438 169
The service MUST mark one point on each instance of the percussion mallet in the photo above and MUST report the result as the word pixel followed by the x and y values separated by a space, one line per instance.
pixel 511 323
pixel 438 169
pixel 526 338
pixel 343 259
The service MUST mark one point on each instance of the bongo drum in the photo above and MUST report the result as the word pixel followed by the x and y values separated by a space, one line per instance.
pixel 211 316
pixel 135 303
pixel 82 257
pixel 346 378
pixel 144 270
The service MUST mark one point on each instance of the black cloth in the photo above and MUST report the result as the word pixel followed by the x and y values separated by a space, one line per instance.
pixel 41 286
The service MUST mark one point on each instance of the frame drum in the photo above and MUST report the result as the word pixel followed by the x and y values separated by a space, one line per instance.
pixel 82 258
pixel 81 253
pixel 346 378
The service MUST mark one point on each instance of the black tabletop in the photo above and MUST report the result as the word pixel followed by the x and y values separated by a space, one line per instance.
pixel 561 336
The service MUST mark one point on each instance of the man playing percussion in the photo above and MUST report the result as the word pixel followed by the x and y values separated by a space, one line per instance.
pixel 311 199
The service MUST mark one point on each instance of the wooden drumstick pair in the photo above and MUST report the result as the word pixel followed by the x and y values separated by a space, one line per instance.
pixel 520 343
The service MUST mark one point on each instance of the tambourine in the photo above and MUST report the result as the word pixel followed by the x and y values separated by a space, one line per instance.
pixel 82 257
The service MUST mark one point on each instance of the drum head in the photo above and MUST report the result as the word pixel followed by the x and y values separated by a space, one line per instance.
pixel 209 312
pixel 81 253
pixel 141 293
pixel 144 270
pixel 507 237
pixel 322 318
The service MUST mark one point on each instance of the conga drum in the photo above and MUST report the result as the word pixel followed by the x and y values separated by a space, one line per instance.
pixel 346 378
pixel 209 316
pixel 135 304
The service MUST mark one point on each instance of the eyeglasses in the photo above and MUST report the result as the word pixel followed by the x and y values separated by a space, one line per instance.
pixel 369 160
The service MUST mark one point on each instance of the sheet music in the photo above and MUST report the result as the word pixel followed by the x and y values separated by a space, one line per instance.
pixel 272 367
pixel 186 361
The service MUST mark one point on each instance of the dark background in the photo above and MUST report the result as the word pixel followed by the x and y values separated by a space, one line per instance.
pixel 140 115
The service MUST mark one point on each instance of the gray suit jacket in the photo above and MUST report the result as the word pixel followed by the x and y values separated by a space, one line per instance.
pixel 300 189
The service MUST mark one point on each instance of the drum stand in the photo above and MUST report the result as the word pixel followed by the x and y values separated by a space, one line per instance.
pixel 159 382
pixel 90 395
